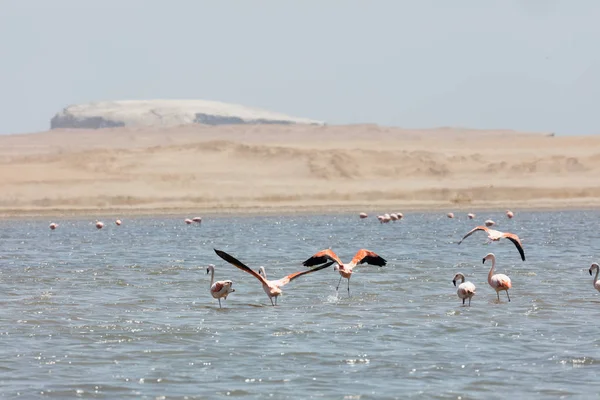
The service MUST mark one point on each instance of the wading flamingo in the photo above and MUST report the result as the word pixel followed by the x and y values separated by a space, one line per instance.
pixel 271 288
pixel 489 222
pixel 450 215
pixel 99 224
pixel 499 281
pixel 596 282
pixel 218 289
pixel 363 215
pixel 118 222
pixel 470 215
pixel 197 219
pixel 466 290
pixel 53 226
pixel 494 236
pixel 509 214
pixel 345 270
pixel 187 221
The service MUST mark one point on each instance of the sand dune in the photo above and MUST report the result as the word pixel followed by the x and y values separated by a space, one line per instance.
pixel 271 168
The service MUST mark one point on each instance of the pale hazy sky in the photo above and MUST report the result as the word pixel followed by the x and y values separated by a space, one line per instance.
pixel 521 64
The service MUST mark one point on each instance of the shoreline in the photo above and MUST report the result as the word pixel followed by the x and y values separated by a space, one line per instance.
pixel 296 209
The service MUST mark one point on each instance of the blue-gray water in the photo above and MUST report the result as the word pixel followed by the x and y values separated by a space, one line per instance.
pixel 125 312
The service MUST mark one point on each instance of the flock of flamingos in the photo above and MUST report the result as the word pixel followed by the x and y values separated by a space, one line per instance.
pixel 325 258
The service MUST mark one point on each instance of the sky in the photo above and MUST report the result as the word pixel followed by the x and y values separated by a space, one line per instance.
pixel 529 65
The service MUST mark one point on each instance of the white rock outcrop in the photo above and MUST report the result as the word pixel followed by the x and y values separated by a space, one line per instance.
pixel 137 113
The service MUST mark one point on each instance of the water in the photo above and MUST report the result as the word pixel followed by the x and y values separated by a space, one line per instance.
pixel 125 312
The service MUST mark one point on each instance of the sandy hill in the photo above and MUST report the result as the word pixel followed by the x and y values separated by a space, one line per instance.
pixel 294 167
pixel 138 113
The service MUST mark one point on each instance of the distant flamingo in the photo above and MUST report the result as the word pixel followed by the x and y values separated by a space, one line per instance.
pixel 53 226
pixel 498 282
pixel 118 222
pixel 489 222
pixel 363 215
pixel 197 219
pixel 596 281
pixel 509 214
pixel 400 215
pixel 99 224
pixel 271 288
pixel 494 236
pixel 466 290
pixel 394 217
pixel 218 289
pixel 450 215
pixel 345 270
pixel 470 215
pixel 187 221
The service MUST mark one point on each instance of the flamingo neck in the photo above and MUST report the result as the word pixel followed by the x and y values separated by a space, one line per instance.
pixel 263 272
pixel 596 277
pixel 212 277
pixel 491 273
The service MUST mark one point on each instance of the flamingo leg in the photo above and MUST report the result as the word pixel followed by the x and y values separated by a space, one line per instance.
pixel 463 302
pixel 348 287
pixel 507 295
pixel 469 302
pixel 219 303
pixel 270 298
pixel 338 285
pixel 276 300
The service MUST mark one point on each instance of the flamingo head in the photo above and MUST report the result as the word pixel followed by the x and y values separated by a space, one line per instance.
pixel 457 277
pixel 209 268
pixel 262 272
pixel 336 267
pixel 489 256
pixel 593 267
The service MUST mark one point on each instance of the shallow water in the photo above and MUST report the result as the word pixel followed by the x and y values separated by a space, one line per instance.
pixel 125 312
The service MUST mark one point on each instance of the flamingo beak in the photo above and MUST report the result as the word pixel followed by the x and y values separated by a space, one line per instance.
pixel 590 270
pixel 207 270
pixel 454 283
pixel 483 261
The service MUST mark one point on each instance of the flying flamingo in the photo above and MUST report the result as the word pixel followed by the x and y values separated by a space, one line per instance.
pixel 345 270
pixel 271 288
pixel 466 290
pixel 494 236
pixel 596 281
pixel 218 289
pixel 499 281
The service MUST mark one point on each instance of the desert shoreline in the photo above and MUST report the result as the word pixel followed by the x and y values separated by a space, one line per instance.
pixel 293 170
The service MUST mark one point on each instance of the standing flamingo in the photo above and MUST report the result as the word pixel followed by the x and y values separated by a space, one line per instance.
pixel 494 236
pixel 345 270
pixel 489 222
pixel 498 281
pixel 596 281
pixel 466 290
pixel 450 215
pixel 363 215
pixel 99 224
pixel 509 214
pixel 271 288
pixel 470 215
pixel 218 289
pixel 53 226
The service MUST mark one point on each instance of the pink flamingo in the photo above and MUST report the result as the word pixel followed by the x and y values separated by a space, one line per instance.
pixel 118 222
pixel 218 289
pixel 345 270
pixel 450 215
pixel 470 215
pixel 596 282
pixel 53 226
pixel 466 290
pixel 400 215
pixel 494 236
pixel 363 215
pixel 271 288
pixel 99 224
pixel 489 222
pixel 498 282
pixel 509 214
pixel 187 221
pixel 197 219
pixel 394 217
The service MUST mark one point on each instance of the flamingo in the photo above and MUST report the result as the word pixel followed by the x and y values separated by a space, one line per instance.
pixel 187 221
pixel 345 270
pixel 271 288
pixel 362 215
pixel 596 281
pixel 498 282
pixel 118 222
pixel 53 226
pixel 400 215
pixel 450 215
pixel 394 217
pixel 509 214
pixel 197 219
pixel 99 224
pixel 218 289
pixel 489 222
pixel 470 215
pixel 466 290
pixel 494 236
